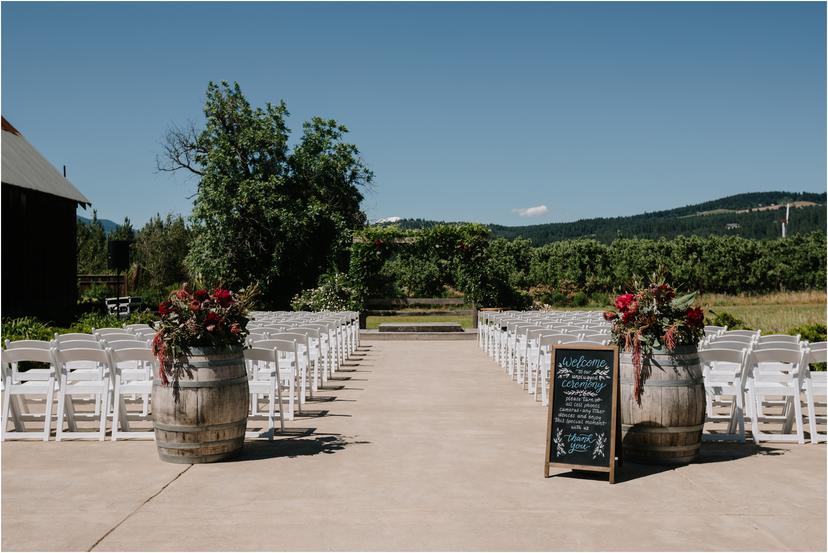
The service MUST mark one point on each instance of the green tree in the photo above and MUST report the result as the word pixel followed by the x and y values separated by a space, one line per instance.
pixel 124 231
pixel 91 244
pixel 264 213
pixel 159 251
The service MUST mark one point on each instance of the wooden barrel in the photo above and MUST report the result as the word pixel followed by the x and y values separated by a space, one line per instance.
pixel 208 422
pixel 666 428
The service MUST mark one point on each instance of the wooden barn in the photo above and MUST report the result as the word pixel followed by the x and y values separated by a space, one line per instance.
pixel 39 251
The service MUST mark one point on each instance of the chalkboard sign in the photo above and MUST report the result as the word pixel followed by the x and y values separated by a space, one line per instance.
pixel 583 404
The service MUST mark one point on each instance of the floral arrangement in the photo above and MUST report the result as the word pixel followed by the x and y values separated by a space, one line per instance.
pixel 653 318
pixel 197 319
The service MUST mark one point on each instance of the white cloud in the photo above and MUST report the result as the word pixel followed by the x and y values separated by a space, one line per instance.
pixel 535 211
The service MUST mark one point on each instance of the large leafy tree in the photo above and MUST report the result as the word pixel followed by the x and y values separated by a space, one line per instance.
pixel 91 243
pixel 264 212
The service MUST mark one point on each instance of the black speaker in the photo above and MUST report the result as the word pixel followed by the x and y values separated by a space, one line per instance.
pixel 118 258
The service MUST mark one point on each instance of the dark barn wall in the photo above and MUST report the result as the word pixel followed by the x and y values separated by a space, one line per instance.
pixel 39 255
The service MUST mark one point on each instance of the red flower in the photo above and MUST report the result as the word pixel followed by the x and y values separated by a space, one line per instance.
pixel 201 295
pixel 195 305
pixel 627 316
pixel 182 294
pixel 622 301
pixel 695 316
pixel 610 315
pixel 633 307
pixel 164 308
pixel 223 297
pixel 213 321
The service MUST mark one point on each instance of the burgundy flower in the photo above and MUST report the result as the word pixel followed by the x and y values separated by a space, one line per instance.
pixel 213 321
pixel 627 316
pixel 695 316
pixel 201 295
pixel 610 315
pixel 622 301
pixel 195 305
pixel 223 297
pixel 164 308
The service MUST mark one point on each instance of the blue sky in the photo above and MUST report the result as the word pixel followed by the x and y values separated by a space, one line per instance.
pixel 464 111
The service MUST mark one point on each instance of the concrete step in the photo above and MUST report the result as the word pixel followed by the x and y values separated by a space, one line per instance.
pixel 375 335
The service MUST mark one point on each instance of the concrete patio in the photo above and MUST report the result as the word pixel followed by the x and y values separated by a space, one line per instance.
pixel 417 446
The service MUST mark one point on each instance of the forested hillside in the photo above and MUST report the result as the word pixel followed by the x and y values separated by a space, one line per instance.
pixel 750 215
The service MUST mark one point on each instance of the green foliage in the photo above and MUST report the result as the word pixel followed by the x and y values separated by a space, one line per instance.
pixel 264 213
pixel 332 294
pixel 25 328
pixel 811 332
pixel 723 318
pixel 123 231
pixel 93 300
pixel 158 255
pixel 92 250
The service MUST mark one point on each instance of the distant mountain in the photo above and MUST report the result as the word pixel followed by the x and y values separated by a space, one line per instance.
pixel 751 215
pixel 108 225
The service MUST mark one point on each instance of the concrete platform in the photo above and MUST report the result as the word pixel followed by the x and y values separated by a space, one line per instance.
pixel 420 327
pixel 375 335
pixel 415 446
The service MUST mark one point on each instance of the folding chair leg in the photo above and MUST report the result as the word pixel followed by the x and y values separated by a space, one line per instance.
pixel 812 428
pixel 47 418
pixel 61 410
pixel 104 415
pixel 6 409
pixel 800 431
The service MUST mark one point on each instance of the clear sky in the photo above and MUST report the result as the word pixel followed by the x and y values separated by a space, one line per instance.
pixel 464 111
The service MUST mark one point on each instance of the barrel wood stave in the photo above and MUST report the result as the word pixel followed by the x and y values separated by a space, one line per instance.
pixel 667 427
pixel 209 421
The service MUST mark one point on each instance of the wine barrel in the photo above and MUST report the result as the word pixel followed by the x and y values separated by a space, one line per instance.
pixel 208 422
pixel 666 427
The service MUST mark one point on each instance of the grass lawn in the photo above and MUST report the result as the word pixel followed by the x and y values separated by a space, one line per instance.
pixel 373 321
pixel 771 313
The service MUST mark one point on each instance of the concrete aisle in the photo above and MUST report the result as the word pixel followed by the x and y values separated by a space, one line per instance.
pixel 427 446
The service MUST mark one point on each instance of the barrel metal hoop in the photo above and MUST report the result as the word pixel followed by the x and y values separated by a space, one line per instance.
pixel 661 429
pixel 229 362
pixel 207 383
pixel 665 383
pixel 208 428
pixel 179 445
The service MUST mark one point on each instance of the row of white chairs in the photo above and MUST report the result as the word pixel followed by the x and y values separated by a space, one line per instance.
pixel 520 341
pixel 746 373
pixel 99 366
pixel 773 370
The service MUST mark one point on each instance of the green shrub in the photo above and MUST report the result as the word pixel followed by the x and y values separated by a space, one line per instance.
pixel 25 328
pixel 723 318
pixel 579 299
pixel 810 332
pixel 332 294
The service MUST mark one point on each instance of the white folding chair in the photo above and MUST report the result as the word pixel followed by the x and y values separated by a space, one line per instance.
pixel 20 383
pixel 725 374
pixel 767 379
pixel 261 362
pixel 815 385
pixel 134 369
pixel 260 376
pixel 79 382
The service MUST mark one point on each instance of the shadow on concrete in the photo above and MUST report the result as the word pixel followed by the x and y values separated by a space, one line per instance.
pixel 710 452
pixel 284 445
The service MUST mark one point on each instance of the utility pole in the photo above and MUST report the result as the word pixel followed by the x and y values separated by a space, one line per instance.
pixel 785 220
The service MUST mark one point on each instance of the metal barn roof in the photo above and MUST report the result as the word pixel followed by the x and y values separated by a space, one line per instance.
pixel 23 166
